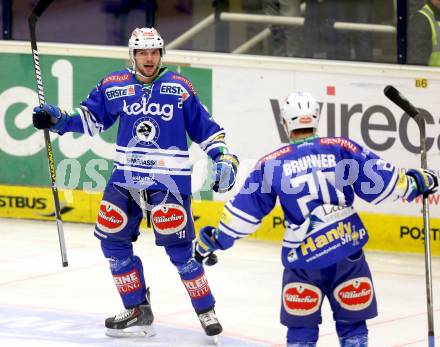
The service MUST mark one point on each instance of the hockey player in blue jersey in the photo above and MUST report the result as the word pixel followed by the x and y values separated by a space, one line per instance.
pixel 316 180
pixel 156 109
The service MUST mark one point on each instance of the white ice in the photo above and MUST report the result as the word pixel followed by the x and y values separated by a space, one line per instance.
pixel 43 304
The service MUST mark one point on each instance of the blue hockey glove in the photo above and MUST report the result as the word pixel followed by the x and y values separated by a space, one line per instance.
pixel 49 117
pixel 205 246
pixel 225 172
pixel 426 181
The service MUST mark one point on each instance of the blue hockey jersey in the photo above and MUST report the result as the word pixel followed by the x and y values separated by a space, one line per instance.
pixel 316 182
pixel 154 120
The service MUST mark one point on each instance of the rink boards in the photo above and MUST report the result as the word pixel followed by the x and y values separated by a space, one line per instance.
pixel 387 232
pixel 244 94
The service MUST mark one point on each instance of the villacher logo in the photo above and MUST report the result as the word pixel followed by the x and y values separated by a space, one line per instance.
pixel 301 299
pixel 355 294
pixel 169 218
pixel 111 218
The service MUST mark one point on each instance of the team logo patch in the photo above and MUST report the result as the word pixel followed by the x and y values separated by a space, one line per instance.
pixel 355 294
pixel 116 78
pixel 169 218
pixel 127 282
pixel 292 256
pixel 344 143
pixel 145 108
pixel 119 92
pixel 226 216
pixel 197 287
pixel 220 137
pixel 187 82
pixel 172 89
pixel 111 219
pixel 301 299
pixel 278 153
pixel 146 131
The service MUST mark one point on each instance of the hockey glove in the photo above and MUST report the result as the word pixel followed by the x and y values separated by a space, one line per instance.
pixel 205 246
pixel 49 117
pixel 225 172
pixel 425 181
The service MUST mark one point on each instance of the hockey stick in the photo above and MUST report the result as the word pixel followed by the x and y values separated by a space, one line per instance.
pixel 32 20
pixel 394 95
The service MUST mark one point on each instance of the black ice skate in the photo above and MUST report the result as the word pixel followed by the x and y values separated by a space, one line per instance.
pixel 133 322
pixel 210 322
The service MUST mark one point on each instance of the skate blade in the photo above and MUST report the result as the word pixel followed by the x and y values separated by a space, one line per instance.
pixel 136 331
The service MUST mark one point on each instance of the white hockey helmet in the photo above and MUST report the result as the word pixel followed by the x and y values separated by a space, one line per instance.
pixel 145 38
pixel 300 111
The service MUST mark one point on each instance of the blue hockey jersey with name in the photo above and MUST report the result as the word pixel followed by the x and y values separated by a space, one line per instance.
pixel 316 182
pixel 154 120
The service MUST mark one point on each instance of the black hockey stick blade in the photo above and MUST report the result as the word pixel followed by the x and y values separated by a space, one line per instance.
pixel 394 95
pixel 40 7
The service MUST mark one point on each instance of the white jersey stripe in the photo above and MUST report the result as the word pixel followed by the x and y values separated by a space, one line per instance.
pixel 153 150
pixel 241 213
pixel 215 145
pixel 152 171
pixel 157 161
pixel 241 232
pixel 205 143
pixel 229 232
pixel 92 125
pixel 290 244
pixel 84 124
pixel 387 192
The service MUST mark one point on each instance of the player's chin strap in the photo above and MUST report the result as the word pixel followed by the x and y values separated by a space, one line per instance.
pixel 135 72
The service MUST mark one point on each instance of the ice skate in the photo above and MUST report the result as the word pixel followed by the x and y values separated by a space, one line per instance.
pixel 210 324
pixel 134 322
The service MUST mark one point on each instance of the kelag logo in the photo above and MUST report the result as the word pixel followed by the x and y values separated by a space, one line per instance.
pixel 392 126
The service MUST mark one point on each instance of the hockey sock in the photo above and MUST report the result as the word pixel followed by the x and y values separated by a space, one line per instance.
pixel 127 271
pixel 192 275
pixel 302 336
pixel 352 334
pixel 128 276
pixel 197 286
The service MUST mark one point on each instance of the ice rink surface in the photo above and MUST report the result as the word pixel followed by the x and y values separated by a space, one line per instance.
pixel 43 304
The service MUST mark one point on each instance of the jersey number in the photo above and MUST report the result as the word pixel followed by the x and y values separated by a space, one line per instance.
pixel 316 182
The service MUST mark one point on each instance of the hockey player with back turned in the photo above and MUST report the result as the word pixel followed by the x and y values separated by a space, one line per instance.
pixel 316 180
pixel 156 108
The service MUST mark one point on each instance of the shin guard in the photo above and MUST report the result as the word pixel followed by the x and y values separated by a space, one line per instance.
pixel 128 276
pixel 196 283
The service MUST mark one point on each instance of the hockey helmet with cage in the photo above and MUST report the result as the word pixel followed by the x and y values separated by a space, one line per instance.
pixel 300 111
pixel 145 38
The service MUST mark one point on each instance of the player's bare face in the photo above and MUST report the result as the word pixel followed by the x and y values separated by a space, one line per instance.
pixel 148 62
pixel 436 3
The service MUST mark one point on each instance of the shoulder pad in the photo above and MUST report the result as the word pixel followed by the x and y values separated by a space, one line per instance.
pixel 276 154
pixel 346 144
pixel 185 81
